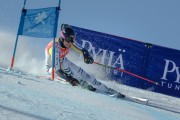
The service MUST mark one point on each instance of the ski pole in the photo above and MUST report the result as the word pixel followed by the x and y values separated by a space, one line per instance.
pixel 121 70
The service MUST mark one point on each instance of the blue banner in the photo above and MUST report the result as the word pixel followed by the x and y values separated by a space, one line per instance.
pixel 155 63
pixel 163 66
pixel 40 23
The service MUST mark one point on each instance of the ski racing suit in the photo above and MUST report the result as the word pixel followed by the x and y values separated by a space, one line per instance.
pixel 63 65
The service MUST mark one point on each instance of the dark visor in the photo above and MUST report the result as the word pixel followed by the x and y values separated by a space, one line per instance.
pixel 69 39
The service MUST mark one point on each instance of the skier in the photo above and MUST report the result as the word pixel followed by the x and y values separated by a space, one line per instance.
pixel 68 70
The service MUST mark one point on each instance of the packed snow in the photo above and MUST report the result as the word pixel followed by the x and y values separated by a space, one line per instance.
pixel 26 97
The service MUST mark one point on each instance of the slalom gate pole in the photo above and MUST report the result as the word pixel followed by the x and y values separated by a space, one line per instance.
pixel 121 70
pixel 14 53
pixel 53 52
pixel 59 3
pixel 53 59
pixel 24 4
pixel 17 37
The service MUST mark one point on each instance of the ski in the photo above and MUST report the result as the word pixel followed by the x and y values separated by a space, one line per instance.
pixel 136 100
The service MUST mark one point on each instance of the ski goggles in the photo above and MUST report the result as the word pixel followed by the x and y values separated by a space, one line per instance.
pixel 69 39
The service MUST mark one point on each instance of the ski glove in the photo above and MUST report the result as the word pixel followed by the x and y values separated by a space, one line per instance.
pixel 87 58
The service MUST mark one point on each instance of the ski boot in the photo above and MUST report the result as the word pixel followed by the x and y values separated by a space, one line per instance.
pixel 114 93
pixel 120 95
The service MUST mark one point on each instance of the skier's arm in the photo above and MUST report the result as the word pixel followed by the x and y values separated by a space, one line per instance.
pixel 77 47
pixel 87 57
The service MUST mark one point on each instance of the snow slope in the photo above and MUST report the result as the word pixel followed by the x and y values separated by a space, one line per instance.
pixel 28 98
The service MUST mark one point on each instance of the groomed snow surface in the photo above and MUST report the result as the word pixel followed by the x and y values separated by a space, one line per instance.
pixel 28 98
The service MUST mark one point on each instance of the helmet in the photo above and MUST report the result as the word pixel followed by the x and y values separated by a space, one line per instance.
pixel 67 33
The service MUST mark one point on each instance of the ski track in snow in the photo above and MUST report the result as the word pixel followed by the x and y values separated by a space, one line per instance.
pixel 25 97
